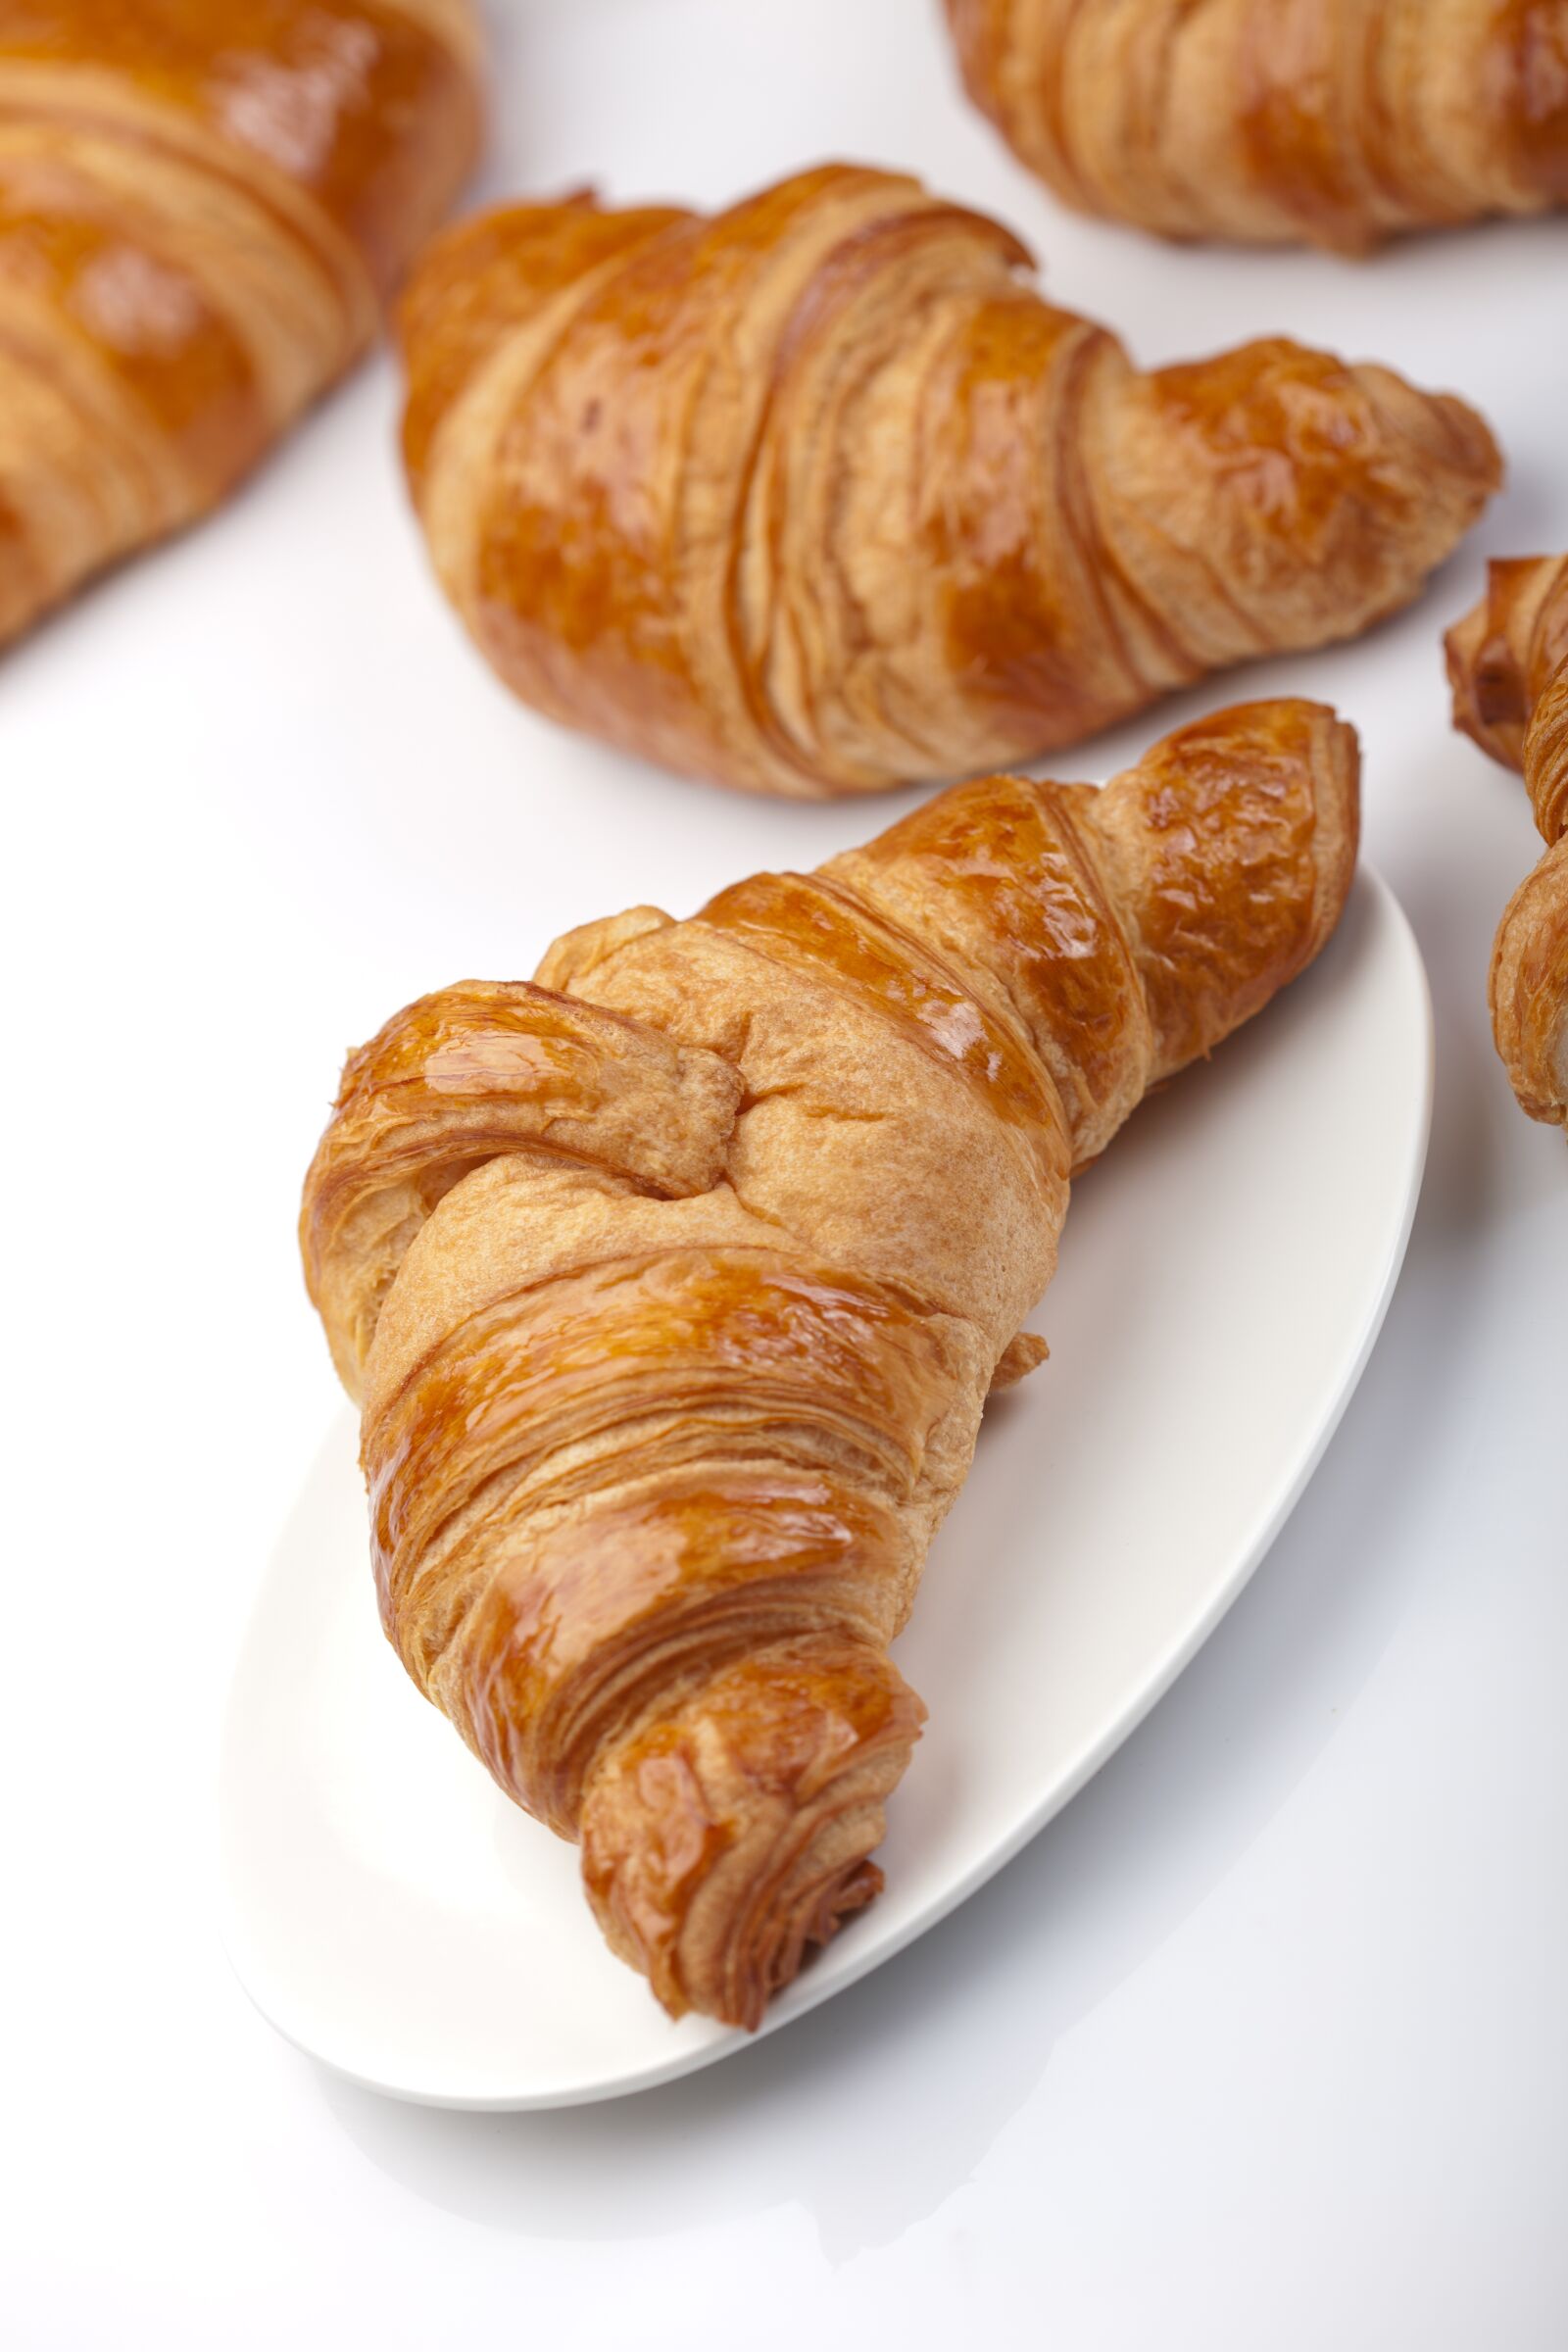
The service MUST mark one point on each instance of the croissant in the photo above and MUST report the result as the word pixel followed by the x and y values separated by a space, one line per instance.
pixel 1337 123
pixel 202 204
pixel 671 1287
pixel 819 496
pixel 1509 663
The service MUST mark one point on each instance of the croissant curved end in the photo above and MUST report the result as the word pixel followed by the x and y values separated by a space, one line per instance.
pixel 1488 656
pixel 1528 987
pixel 727 1838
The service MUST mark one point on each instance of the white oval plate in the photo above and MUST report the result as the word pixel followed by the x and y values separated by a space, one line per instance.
pixel 1224 1274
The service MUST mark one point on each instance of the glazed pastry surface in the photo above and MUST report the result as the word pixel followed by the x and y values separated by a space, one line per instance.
pixel 202 205
pixel 1335 123
pixel 1509 663
pixel 820 495
pixel 671 1286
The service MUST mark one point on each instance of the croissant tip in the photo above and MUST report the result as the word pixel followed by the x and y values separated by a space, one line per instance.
pixel 730 1839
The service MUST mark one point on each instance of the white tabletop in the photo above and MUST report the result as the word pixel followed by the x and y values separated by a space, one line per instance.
pixel 1263 2042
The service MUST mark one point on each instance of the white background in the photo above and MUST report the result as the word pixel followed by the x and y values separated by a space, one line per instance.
pixel 1264 2042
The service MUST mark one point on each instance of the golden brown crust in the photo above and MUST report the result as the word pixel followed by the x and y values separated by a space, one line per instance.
pixel 1220 841
pixel 1335 123
pixel 1508 667
pixel 819 494
pixel 732 1836
pixel 674 1299
pixel 473 1071
pixel 202 203
pixel 1528 989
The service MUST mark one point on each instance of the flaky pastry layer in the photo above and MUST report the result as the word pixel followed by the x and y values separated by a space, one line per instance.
pixel 202 205
pixel 818 495
pixel 1334 122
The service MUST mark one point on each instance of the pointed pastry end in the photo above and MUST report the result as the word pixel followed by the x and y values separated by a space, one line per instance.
pixel 728 1837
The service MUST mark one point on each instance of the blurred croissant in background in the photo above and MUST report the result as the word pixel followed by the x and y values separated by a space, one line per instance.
pixel 818 495
pixel 1508 663
pixel 1334 122
pixel 202 206
pixel 671 1286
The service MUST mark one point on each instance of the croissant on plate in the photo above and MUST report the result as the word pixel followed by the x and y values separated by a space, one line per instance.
pixel 671 1287
pixel 1508 663
pixel 203 203
pixel 1334 122
pixel 818 495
